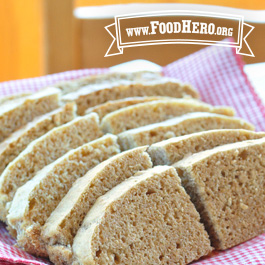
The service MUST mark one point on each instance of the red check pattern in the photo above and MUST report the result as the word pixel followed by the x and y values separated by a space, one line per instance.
pixel 218 74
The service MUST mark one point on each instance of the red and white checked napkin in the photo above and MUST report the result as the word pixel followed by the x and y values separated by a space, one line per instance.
pixel 217 72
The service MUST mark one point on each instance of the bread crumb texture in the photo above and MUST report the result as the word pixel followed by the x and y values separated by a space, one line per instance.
pixel 152 112
pixel 113 105
pixel 147 219
pixel 172 150
pixel 36 199
pixel 44 151
pixel 185 124
pixel 95 94
pixel 226 184
pixel 20 111
pixel 18 141
pixel 62 225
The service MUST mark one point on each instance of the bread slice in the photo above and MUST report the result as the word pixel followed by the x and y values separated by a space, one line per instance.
pixel 152 112
pixel 34 201
pixel 147 219
pixel 18 141
pixel 186 124
pixel 14 96
pixel 107 78
pixel 226 184
pixel 93 95
pixel 62 225
pixel 172 150
pixel 18 112
pixel 44 151
pixel 112 105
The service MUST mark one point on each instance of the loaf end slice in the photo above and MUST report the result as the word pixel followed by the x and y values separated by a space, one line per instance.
pixel 61 227
pixel 174 149
pixel 226 184
pixel 147 219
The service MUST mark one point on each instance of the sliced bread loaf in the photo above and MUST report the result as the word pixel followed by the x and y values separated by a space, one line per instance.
pixel 34 201
pixel 93 95
pixel 152 112
pixel 44 151
pixel 172 150
pixel 62 225
pixel 18 141
pixel 14 96
pixel 186 124
pixel 112 105
pixel 18 112
pixel 113 77
pixel 147 219
pixel 226 184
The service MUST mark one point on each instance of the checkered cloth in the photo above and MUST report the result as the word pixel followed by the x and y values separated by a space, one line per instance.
pixel 217 72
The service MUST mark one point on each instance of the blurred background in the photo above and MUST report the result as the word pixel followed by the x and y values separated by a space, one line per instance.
pixel 40 37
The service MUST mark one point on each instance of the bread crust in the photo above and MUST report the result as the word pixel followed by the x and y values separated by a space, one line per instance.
pixel 35 200
pixel 96 94
pixel 62 225
pixel 42 152
pixel 18 112
pixel 174 149
pixel 19 140
pixel 186 124
pixel 153 112
pixel 147 219
pixel 113 105
pixel 226 185
pixel 112 77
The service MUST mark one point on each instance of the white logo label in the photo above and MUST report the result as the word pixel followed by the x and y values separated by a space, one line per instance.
pixel 178 27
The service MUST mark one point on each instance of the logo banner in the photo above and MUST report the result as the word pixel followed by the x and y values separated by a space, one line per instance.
pixel 179 27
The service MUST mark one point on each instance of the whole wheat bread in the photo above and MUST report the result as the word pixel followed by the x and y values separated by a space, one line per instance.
pixel 18 140
pixel 186 124
pixel 153 112
pixel 112 105
pixel 174 149
pixel 226 184
pixel 106 78
pixel 35 200
pixel 62 225
pixel 147 219
pixel 44 151
pixel 93 95
pixel 18 112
